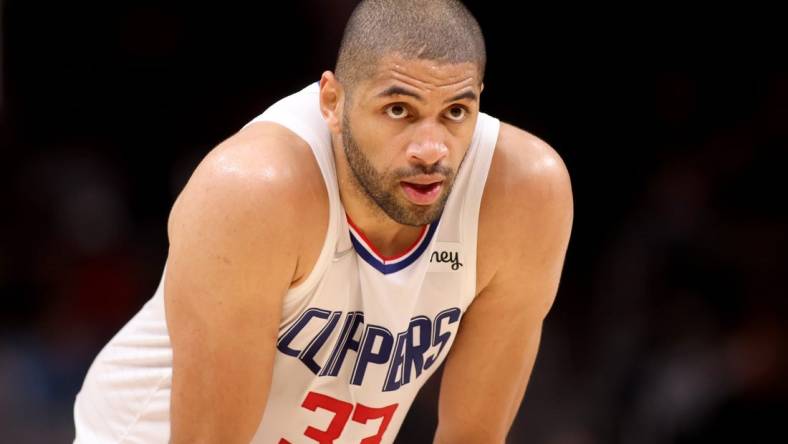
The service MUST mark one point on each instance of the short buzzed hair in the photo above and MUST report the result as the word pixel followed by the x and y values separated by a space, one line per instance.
pixel 440 30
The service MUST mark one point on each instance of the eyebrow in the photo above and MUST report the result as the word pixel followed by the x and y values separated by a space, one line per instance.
pixel 400 91
pixel 470 95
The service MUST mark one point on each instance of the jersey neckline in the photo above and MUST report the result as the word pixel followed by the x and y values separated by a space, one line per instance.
pixel 389 264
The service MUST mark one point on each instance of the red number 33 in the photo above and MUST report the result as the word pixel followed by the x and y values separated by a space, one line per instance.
pixel 342 411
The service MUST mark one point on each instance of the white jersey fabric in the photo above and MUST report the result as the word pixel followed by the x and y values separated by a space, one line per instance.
pixel 357 338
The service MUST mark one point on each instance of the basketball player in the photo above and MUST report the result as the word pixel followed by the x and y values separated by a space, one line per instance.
pixel 327 258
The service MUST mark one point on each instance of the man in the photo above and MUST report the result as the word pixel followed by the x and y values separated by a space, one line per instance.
pixel 326 259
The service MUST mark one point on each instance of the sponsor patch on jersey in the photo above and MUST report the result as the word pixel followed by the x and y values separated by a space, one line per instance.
pixel 446 257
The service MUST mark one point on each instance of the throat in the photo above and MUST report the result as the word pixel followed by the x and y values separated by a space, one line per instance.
pixel 390 247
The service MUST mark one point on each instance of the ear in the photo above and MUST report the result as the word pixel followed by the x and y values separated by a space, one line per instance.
pixel 481 88
pixel 332 99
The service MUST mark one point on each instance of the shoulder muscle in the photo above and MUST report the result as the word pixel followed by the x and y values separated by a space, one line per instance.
pixel 252 188
pixel 527 208
pixel 236 233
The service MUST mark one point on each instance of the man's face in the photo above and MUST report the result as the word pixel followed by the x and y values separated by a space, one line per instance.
pixel 405 132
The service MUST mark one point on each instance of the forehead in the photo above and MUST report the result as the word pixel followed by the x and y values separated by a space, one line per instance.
pixel 424 75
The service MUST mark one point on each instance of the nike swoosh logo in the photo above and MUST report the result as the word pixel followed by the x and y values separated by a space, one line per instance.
pixel 339 255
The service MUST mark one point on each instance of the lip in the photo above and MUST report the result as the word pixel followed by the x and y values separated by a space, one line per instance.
pixel 419 196
pixel 425 179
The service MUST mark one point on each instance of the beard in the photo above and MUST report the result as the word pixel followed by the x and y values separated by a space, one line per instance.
pixel 384 189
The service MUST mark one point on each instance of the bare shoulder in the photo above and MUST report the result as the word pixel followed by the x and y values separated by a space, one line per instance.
pixel 528 195
pixel 524 225
pixel 262 179
pixel 527 165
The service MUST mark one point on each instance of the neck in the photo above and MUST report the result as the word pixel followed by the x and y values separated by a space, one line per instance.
pixel 387 236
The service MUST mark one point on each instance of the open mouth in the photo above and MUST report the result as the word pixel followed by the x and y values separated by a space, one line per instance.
pixel 422 194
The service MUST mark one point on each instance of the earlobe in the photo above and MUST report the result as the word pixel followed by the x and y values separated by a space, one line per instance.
pixel 331 101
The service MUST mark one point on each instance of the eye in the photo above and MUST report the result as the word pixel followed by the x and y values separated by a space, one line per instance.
pixel 397 111
pixel 456 113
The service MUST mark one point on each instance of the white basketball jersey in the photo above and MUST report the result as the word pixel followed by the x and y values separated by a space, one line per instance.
pixel 357 338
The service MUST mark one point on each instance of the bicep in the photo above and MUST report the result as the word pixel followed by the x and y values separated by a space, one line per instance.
pixel 227 270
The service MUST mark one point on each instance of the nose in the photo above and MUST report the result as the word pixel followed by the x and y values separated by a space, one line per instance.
pixel 428 147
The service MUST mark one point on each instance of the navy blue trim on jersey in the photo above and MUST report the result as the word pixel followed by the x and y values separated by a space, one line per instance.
pixel 395 267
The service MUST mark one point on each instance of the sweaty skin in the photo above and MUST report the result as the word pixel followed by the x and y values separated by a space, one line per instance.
pixel 413 120
pixel 411 115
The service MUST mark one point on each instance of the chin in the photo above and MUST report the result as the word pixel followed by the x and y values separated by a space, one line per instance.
pixel 420 215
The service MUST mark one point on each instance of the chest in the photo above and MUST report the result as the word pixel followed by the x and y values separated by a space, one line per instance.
pixel 367 327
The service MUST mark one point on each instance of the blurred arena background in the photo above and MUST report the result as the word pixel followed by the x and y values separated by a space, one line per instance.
pixel 670 323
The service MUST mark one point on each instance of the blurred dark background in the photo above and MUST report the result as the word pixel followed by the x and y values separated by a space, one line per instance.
pixel 669 326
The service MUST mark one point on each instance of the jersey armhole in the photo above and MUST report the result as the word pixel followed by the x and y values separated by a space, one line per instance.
pixel 287 120
pixel 469 228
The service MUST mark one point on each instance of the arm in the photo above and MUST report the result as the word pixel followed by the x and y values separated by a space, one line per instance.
pixel 231 260
pixel 529 196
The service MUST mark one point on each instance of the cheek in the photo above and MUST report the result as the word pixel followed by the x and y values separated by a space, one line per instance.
pixel 382 147
pixel 459 138
pixel 462 145
pixel 376 148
